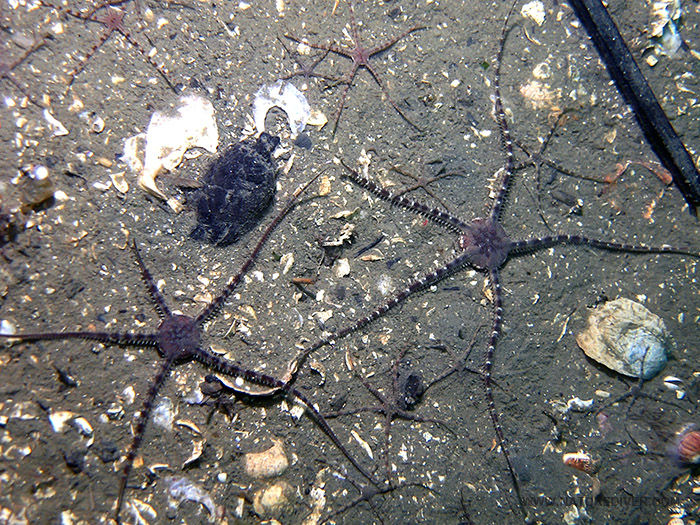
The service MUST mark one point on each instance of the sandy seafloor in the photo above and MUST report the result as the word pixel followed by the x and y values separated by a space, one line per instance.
pixel 70 269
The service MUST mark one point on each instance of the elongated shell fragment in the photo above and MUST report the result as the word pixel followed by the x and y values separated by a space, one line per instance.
pixel 580 461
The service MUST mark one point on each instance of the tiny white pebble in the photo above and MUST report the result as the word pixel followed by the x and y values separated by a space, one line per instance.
pixel 7 327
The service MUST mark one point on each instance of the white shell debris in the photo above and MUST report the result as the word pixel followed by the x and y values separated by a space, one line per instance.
pixel 624 335
pixel 266 464
pixel 575 404
pixel 286 261
pixel 535 11
pixel 672 383
pixel 341 268
pixel 666 17
pixel 138 509
pixel 286 97
pixel 270 501
pixel 164 414
pixel 57 129
pixel 182 489
pixel 59 419
pixel 7 327
pixel 170 134
pixel 197 449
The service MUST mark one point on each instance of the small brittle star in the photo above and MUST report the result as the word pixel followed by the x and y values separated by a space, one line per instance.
pixel 360 57
pixel 113 21
pixel 404 392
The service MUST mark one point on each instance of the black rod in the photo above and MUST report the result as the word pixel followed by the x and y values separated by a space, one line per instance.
pixel 634 88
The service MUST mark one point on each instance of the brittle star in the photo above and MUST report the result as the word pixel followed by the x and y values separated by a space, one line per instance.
pixel 484 245
pixel 178 339
pixel 405 390
pixel 113 21
pixel 360 57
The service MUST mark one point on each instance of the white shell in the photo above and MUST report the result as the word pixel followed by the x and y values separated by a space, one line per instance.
pixel 170 134
pixel 182 489
pixel 672 383
pixel 341 268
pixel 286 97
pixel 164 414
pixel 621 334
pixel 56 127
pixel 535 11
pixel 7 327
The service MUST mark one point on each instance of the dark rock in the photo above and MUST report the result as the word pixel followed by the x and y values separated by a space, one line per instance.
pixel 303 141
pixel 107 451
pixel 411 387
pixel 75 461
pixel 236 191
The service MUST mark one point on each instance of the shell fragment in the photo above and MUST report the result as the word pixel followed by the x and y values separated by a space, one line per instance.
pixel 171 134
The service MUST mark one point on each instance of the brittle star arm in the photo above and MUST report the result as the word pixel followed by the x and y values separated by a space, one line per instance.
pixel 231 369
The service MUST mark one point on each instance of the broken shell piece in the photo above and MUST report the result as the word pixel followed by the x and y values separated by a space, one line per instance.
pixel 627 338
pixel 577 404
pixel 270 501
pixel 171 134
pixel 197 449
pixel 59 419
pixel 97 124
pixel 189 425
pixel 55 126
pixel 120 182
pixel 324 187
pixel 182 489
pixel 672 383
pixel 83 426
pixel 318 367
pixel 341 268
pixel 164 414
pixel 665 20
pixel 269 463
pixel 286 97
pixel 7 327
pixel 317 119
pixel 287 260
pixel 142 512
pixel 580 461
pixel 535 11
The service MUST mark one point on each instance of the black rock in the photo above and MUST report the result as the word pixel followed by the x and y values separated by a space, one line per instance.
pixel 107 451
pixel 75 461
pixel 236 191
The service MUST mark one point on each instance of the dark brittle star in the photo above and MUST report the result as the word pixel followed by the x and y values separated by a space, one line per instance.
pixel 484 245
pixel 113 21
pixel 538 160
pixel 178 340
pixel 405 391
pixel 360 57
